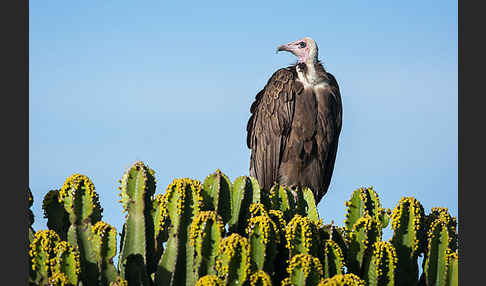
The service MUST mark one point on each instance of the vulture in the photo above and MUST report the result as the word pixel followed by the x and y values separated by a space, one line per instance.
pixel 295 122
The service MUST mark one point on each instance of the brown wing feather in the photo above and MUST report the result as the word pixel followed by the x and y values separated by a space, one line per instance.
pixel 329 129
pixel 269 125
pixel 338 103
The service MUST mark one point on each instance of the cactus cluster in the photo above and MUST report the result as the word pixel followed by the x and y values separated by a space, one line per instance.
pixel 219 232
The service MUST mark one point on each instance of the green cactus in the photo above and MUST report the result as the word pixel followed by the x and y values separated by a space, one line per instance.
pixel 30 214
pixel 302 236
pixel 162 224
pixel 257 209
pixel 365 232
pixel 57 217
pixel 260 278
pixel 209 280
pixel 452 269
pixel 233 260
pixel 81 202
pixel 349 279
pixel 278 225
pixel 308 205
pixel 364 201
pixel 435 266
pixel 282 256
pixel 136 191
pixel 119 282
pixel 380 266
pixel 66 261
pixel 263 238
pixel 336 234
pixel 303 269
pixel 53 260
pixel 333 262
pixel 30 218
pixel 451 222
pixel 104 242
pixel 280 197
pixel 245 191
pixel 216 193
pixel 277 218
pixel 58 279
pixel 408 238
pixel 274 237
pixel 184 201
pixel 207 229
pixel 136 270
pixel 41 251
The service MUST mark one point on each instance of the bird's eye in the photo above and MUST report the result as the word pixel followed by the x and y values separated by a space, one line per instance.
pixel 302 45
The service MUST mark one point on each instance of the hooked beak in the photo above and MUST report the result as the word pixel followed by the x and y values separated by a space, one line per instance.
pixel 286 47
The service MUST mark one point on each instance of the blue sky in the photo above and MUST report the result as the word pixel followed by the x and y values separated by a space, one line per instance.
pixel 113 82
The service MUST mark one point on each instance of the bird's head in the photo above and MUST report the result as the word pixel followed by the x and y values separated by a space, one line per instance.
pixel 304 49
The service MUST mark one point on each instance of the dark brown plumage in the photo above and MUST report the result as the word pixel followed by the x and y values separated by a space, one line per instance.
pixel 294 127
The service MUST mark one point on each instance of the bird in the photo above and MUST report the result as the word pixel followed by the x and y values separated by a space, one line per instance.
pixel 295 123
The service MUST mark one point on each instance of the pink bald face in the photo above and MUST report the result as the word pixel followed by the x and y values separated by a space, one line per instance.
pixel 299 48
